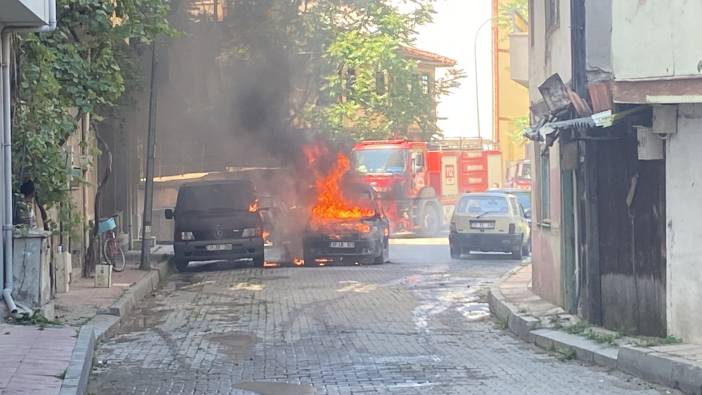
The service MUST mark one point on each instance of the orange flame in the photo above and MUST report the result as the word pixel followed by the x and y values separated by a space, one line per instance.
pixel 298 262
pixel 271 264
pixel 331 203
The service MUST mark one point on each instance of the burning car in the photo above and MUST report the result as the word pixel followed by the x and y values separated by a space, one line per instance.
pixel 347 224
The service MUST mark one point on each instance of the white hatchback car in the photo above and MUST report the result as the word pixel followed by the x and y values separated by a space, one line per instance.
pixel 494 222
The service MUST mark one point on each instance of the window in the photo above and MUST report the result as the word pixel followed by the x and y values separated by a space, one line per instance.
pixel 380 82
pixel 544 184
pixel 413 83
pixel 425 82
pixel 552 15
pixel 350 80
pixel 483 205
pixel 379 161
pixel 418 161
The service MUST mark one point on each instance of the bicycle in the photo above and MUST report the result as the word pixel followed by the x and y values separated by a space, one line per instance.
pixel 110 248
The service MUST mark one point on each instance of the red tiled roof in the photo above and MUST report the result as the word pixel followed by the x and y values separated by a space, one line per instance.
pixel 429 57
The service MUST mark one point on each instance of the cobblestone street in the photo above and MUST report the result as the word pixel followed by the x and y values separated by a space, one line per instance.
pixel 418 325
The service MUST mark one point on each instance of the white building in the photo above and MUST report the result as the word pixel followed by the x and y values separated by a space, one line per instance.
pixel 618 226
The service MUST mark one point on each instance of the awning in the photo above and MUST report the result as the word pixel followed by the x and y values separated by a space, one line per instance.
pixel 539 133
pixel 602 119
pixel 27 13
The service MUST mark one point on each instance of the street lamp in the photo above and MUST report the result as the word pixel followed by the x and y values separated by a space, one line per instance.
pixel 475 59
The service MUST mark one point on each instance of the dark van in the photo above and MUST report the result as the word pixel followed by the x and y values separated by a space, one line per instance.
pixel 217 220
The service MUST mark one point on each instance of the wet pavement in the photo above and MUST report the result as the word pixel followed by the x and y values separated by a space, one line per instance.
pixel 418 325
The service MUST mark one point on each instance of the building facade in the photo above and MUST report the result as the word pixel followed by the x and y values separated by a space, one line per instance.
pixel 615 128
pixel 510 93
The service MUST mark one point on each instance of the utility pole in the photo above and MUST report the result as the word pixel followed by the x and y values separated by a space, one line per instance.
pixel 149 183
pixel 592 306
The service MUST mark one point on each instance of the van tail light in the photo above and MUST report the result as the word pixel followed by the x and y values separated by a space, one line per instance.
pixel 512 229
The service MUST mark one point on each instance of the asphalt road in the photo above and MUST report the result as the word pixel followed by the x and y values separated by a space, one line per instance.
pixel 418 325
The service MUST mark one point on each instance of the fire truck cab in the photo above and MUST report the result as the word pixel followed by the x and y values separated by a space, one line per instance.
pixel 519 175
pixel 418 182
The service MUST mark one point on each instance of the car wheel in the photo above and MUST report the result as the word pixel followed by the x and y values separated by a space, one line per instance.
pixel 181 264
pixel 455 252
pixel 429 221
pixel 259 261
pixel 525 250
pixel 518 253
pixel 380 259
pixel 309 258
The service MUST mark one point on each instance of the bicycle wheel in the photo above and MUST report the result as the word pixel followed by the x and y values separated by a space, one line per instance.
pixel 114 254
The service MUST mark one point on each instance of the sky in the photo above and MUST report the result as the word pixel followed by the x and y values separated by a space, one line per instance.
pixel 452 34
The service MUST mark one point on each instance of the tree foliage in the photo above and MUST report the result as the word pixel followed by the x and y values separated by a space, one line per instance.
pixel 507 11
pixel 77 69
pixel 349 75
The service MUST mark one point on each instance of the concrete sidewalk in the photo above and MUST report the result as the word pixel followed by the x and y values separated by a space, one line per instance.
pixel 84 301
pixel 56 359
pixel 538 321
pixel 34 361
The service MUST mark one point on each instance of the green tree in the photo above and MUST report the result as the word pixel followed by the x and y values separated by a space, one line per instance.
pixel 507 11
pixel 349 75
pixel 79 68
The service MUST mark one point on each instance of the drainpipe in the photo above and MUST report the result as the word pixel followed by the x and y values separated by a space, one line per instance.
pixel 7 174
pixel 2 133
pixel 8 227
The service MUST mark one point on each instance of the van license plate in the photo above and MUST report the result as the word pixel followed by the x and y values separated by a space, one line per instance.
pixel 219 247
pixel 342 244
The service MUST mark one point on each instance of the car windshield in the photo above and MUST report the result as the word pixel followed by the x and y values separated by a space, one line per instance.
pixel 379 161
pixel 214 197
pixel 483 205
pixel 362 198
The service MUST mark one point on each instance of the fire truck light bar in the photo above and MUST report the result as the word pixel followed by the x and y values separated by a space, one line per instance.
pixel 378 142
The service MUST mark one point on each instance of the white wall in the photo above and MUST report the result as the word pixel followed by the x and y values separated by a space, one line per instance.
pixel 656 38
pixel 550 53
pixel 598 27
pixel 684 226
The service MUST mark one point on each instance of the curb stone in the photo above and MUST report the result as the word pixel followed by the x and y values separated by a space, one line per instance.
pixel 585 350
pixel 528 328
pixel 76 379
pixel 647 364
pixel 105 324
pixel 661 368
pixel 108 319
pixel 519 324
